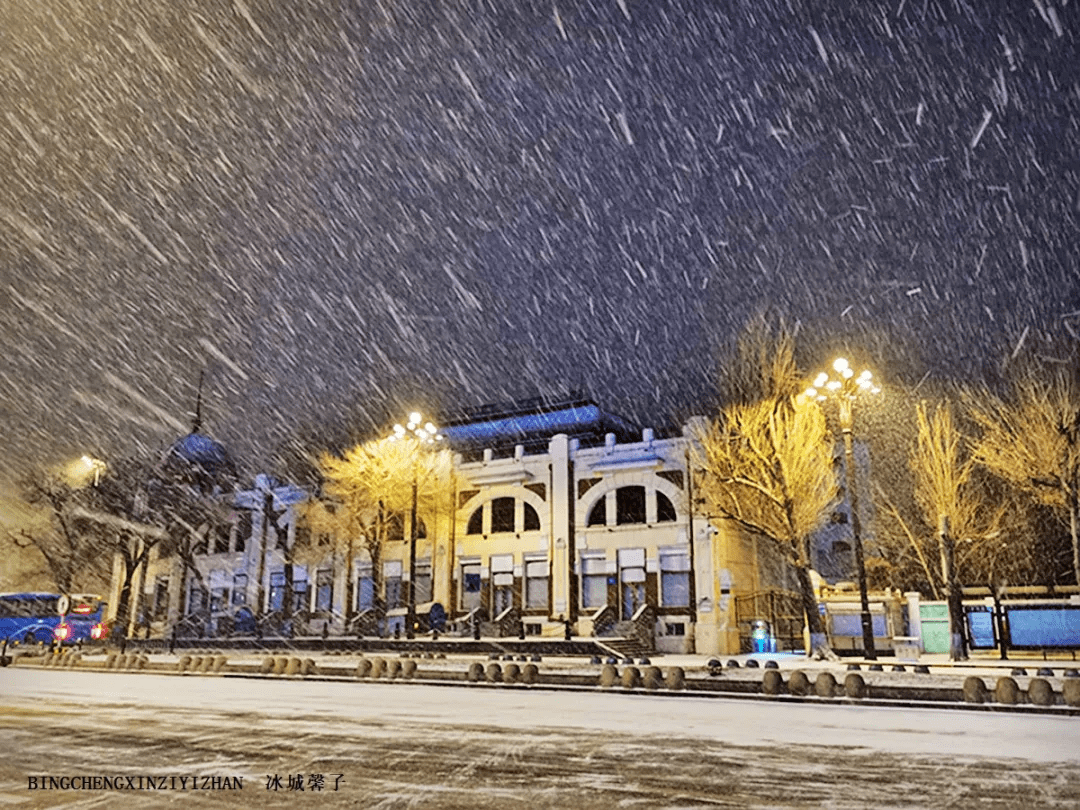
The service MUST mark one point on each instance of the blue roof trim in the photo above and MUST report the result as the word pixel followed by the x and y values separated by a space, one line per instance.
pixel 571 420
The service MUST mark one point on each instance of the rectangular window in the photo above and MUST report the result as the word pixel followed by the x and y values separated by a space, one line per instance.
pixel 365 588
pixel 392 582
pixel 593 582
pixel 161 598
pixel 221 539
pixel 632 579
pixel 422 583
pixel 675 577
pixel 277 590
pixel 324 589
pixel 300 589
pixel 243 530
pixel 536 584
pixel 239 589
pixel 219 599
pixel 629 505
pixel 470 586
pixel 502 515
pixel 197 599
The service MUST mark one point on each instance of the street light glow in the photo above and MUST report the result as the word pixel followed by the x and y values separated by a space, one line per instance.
pixel 425 433
pixel 847 390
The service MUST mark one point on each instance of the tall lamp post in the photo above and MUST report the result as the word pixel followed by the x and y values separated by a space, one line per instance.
pixel 846 387
pixel 423 434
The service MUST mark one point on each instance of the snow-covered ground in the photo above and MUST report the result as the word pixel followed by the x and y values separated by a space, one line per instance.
pixel 400 744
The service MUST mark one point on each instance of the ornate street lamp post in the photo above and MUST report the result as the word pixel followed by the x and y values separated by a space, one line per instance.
pixel 847 387
pixel 423 434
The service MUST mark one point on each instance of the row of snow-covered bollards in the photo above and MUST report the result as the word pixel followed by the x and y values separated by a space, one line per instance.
pixel 1006 690
pixel 69 659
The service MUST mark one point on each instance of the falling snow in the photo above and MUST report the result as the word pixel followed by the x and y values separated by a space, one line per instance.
pixel 337 209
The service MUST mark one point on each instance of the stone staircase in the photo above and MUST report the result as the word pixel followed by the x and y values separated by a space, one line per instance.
pixel 623 647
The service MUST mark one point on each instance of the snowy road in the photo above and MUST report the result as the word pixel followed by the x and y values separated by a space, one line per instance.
pixel 396 745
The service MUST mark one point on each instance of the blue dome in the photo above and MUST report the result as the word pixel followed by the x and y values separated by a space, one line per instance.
pixel 208 458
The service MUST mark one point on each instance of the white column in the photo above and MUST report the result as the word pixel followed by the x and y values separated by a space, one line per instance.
pixel 561 525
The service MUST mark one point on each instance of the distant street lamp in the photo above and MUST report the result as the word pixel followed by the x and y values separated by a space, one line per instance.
pixel 846 387
pixel 93 466
pixel 423 434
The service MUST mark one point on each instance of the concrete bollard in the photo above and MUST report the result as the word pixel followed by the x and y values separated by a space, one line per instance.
pixel 267 666
pixel 476 672
pixel 1007 691
pixel 825 685
pixel 181 665
pixel 675 679
pixel 393 668
pixel 530 674
pixel 652 677
pixel 799 683
pixel 1070 691
pixel 363 668
pixel 974 690
pixel 493 673
pixel 280 663
pixel 512 673
pixel 378 667
pixel 307 667
pixel 1040 692
pixel 855 686
pixel 408 669
pixel 293 667
pixel 609 676
pixel 631 678
pixel 219 663
pixel 772 682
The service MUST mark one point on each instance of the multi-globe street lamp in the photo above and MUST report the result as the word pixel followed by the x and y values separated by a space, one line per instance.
pixel 422 433
pixel 847 387
pixel 89 466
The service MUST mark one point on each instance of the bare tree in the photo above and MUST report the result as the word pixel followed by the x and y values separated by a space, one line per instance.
pixel 69 546
pixel 761 364
pixel 137 507
pixel 1032 441
pixel 953 499
pixel 768 467
pixel 368 489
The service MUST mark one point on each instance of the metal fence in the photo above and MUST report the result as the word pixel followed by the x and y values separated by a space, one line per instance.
pixel 781 609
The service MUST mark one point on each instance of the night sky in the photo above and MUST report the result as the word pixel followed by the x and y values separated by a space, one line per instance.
pixel 340 210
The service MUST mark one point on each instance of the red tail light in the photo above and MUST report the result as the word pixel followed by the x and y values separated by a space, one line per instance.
pixel 99 631
pixel 62 632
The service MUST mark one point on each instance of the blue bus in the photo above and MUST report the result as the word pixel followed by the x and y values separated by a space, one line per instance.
pixel 41 618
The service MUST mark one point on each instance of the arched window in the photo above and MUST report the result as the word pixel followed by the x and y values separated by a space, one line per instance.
pixel 629 505
pixel 532 520
pixel 665 509
pixel 476 522
pixel 502 515
pixel 598 514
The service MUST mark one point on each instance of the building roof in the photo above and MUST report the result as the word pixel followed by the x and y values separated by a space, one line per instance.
pixel 205 458
pixel 534 422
